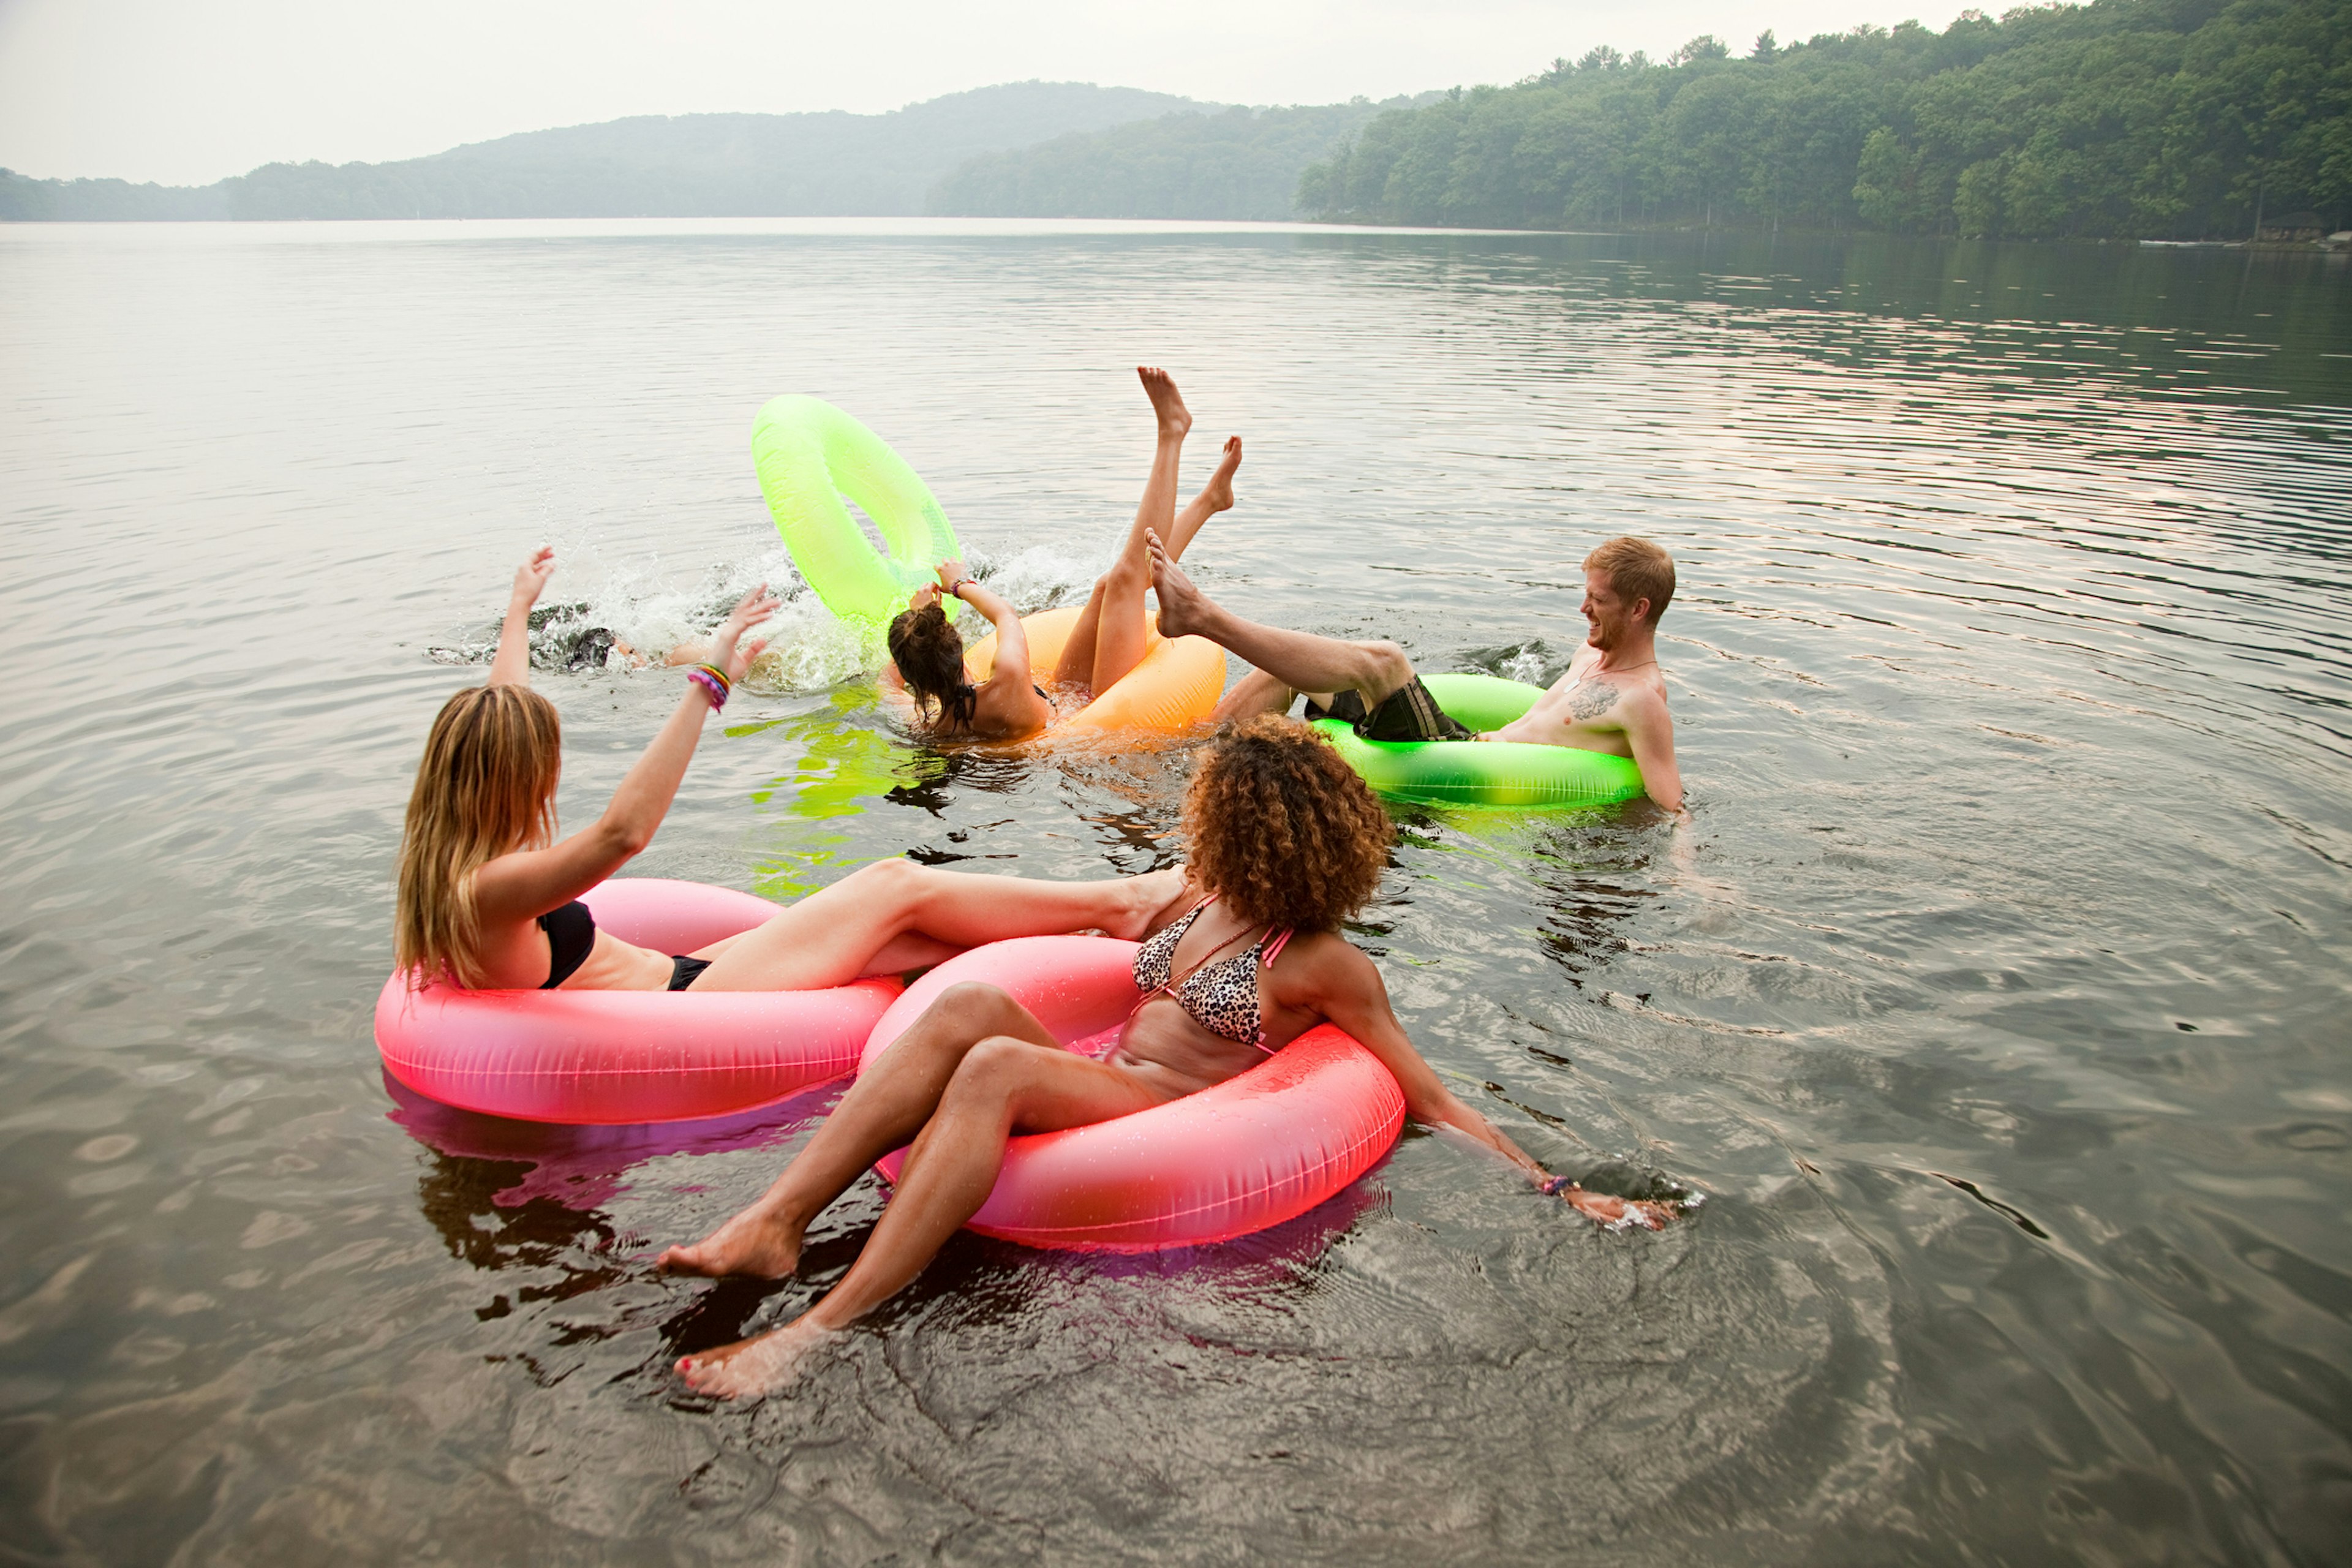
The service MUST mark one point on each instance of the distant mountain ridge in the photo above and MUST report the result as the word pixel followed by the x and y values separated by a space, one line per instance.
pixel 832 164
pixel 1237 163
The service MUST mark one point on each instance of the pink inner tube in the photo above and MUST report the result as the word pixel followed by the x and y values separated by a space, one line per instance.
pixel 1258 1149
pixel 615 1058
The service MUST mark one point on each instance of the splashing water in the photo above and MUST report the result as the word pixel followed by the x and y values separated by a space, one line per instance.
pixel 635 618
pixel 1537 663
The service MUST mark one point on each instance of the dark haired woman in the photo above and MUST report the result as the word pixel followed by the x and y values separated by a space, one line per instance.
pixel 1241 962
pixel 1111 635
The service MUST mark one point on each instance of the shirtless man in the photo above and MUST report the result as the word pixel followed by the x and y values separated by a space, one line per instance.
pixel 1612 699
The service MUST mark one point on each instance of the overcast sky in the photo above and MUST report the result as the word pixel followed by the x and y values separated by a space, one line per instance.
pixel 186 93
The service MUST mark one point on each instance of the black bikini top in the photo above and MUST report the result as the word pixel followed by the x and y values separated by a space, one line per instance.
pixel 571 937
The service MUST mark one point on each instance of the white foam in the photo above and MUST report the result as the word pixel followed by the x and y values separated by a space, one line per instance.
pixel 1527 666
pixel 1042 577
pixel 653 610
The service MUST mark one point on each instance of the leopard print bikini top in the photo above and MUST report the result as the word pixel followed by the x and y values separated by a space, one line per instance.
pixel 1222 995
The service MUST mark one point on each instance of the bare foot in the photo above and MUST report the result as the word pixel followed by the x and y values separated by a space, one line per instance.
pixel 1218 493
pixel 761 1365
pixel 1183 608
pixel 1150 893
pixel 1175 419
pixel 1617 1214
pixel 754 1242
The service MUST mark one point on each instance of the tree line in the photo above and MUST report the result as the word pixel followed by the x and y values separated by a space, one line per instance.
pixel 2120 119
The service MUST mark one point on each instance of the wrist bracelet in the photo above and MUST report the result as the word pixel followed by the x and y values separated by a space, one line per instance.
pixel 700 675
pixel 718 675
pixel 1552 1188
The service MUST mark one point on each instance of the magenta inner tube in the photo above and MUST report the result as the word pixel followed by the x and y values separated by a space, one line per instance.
pixel 615 1058
pixel 1258 1149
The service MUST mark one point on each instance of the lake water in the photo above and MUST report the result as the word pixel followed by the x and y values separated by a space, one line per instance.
pixel 1996 993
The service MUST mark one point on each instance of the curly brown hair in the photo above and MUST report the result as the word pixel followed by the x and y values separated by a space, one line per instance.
pixel 1282 829
pixel 929 655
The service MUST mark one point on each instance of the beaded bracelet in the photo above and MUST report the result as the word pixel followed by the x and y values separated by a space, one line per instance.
pixel 700 675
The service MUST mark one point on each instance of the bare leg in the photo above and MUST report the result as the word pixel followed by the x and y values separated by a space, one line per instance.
pixel 1076 665
pixel 830 938
pixel 1077 662
pixel 1257 692
pixel 1002 1085
pixel 1299 660
pixel 1120 633
pixel 1216 496
pixel 887 1107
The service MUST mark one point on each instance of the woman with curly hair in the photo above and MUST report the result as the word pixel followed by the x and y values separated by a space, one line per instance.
pixel 1287 842
pixel 1111 635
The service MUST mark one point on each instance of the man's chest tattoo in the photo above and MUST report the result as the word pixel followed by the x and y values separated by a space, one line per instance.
pixel 1590 700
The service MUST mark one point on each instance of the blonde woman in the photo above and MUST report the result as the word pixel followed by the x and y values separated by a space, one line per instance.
pixel 488 894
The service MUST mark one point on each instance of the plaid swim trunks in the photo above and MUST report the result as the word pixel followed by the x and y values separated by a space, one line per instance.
pixel 1408 713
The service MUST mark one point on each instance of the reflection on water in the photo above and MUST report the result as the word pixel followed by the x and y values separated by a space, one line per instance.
pixel 583 1167
pixel 844 763
pixel 1992 997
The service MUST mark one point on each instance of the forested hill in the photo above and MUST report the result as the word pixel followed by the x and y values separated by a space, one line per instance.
pixel 1243 163
pixel 2169 119
pixel 694 166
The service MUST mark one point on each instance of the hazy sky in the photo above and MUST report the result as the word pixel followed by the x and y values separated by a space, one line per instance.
pixel 165 90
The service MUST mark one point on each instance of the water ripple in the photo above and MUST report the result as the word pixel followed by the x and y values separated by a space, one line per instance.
pixel 1993 997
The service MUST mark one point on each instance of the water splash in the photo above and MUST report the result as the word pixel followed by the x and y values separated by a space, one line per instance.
pixel 635 617
pixel 1537 662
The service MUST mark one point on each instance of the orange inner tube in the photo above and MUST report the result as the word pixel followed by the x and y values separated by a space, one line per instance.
pixel 1175 685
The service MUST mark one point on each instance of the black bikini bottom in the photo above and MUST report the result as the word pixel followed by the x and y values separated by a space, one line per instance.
pixel 683 972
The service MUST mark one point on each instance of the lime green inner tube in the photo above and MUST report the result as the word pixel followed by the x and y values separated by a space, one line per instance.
pixel 810 454
pixel 1494 773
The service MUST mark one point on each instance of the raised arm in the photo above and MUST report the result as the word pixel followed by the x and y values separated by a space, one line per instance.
pixel 528 884
pixel 1355 999
pixel 1012 640
pixel 511 666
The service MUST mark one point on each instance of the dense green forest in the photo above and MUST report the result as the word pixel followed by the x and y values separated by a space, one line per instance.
pixel 2178 118
pixel 1243 163
pixel 692 165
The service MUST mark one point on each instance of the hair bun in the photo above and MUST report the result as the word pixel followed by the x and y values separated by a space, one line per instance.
pixel 929 655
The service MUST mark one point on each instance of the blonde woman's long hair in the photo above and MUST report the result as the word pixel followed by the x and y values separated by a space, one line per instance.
pixel 486 788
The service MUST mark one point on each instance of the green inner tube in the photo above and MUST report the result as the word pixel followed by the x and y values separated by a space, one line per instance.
pixel 1496 773
pixel 810 454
